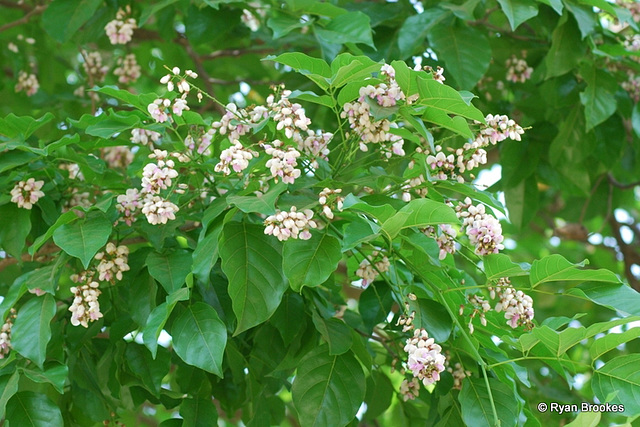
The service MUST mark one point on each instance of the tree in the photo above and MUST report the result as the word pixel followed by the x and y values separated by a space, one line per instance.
pixel 267 212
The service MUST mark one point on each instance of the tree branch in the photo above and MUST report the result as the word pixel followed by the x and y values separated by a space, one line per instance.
pixel 35 11
pixel 235 52
pixel 619 184
pixel 629 254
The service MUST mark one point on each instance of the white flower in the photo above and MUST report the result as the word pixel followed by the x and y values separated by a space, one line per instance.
pixel 158 210
pixel 5 334
pixel 292 224
pixel 235 156
pixel 179 104
pixel 425 359
pixel 120 30
pixel 26 193
pixel 128 205
pixel 27 83
pixel 113 262
pixel 144 137
pixel 282 163
pixel 85 307
pixel 157 110
pixel 128 70
pixel 517 306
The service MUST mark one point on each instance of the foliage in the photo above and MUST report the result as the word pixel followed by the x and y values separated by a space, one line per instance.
pixel 291 233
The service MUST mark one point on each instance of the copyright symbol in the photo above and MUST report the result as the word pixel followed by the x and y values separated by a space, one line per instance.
pixel 542 407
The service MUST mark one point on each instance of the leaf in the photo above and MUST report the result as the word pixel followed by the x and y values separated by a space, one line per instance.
pixel 170 269
pixel 22 127
pixel 327 390
pixel 599 103
pixel 198 412
pixel 518 11
pixel 84 237
pixel 585 419
pixel 419 213
pixel 414 30
pixel 476 406
pixel 351 27
pixel 522 202
pixel 554 268
pixel 112 124
pixel 500 265
pixel 347 68
pixel 29 409
pixel 55 374
pixel 14 228
pixel 446 100
pixel 264 204
pixel 587 20
pixel 316 70
pixel 9 387
pixel 616 296
pixel 200 337
pixel 32 331
pixel 252 261
pixel 65 218
pixel 282 24
pixel 379 212
pixel 555 4
pixel 380 391
pixel 465 51
pixel 566 48
pixel 310 262
pixel 158 318
pixel 309 96
pixel 619 375
pixel 611 341
pixel 150 371
pixel 482 196
pixel 63 18
pixel 206 254
pixel 434 317
pixel 335 332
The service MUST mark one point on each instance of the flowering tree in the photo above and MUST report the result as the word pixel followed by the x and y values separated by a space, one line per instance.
pixel 269 213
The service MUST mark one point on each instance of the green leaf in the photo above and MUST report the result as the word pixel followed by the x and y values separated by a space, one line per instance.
pixel 206 254
pixel 327 390
pixel 476 405
pixel 347 68
pixel 316 70
pixel 584 16
pixel 264 204
pixel 14 228
pixel 112 124
pixel 446 100
pixel 611 341
pixel 351 27
pixel 335 332
pixel 566 48
pixel 310 262
pixel 84 237
pixel 465 51
pixel 252 262
pixel 63 18
pixel 22 127
pixel 200 337
pixel 522 202
pixel 380 391
pixel 554 268
pixel 29 409
pixel 282 24
pixel 158 318
pixel 555 4
pixel 65 218
pixel 616 296
pixel 32 331
pixel 434 317
pixel 599 103
pixel 198 412
pixel 170 269
pixel 518 11
pixel 419 213
pixel 379 212
pixel 309 96
pixel 9 387
pixel 150 371
pixel 55 374
pixel 414 30
pixel 586 419
pixel 619 375
pixel 500 265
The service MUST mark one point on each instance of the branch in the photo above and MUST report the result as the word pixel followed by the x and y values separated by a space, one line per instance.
pixel 618 184
pixel 14 5
pixel 629 254
pixel 36 11
pixel 235 52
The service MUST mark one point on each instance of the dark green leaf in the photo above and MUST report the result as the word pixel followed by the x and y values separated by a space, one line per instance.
pixel 434 317
pixel 29 409
pixel 84 237
pixel 335 332
pixel 171 269
pixel 351 27
pixel 14 232
pixel 518 11
pixel 54 374
pixel 198 412
pixel 158 318
pixel 310 262
pixel 476 406
pixel 621 377
pixel 566 48
pixel 32 330
pixel 9 387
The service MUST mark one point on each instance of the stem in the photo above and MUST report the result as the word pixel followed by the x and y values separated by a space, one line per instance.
pixel 493 365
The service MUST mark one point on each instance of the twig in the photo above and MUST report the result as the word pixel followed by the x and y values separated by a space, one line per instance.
pixel 35 11
pixel 618 184
pixel 235 52
pixel 629 254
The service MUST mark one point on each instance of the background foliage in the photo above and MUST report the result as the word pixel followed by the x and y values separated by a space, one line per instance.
pixel 266 332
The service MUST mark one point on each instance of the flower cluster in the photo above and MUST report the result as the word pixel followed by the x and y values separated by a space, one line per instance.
pixel 497 129
pixel 117 157
pixel 113 262
pixel 425 358
pixel 480 307
pixel 5 334
pixel 458 373
pixel 518 71
pixel 81 199
pixel 158 176
pixel 632 86
pixel 93 66
pixel 85 307
pixel 406 321
pixel 632 43
pixel 250 20
pixel 282 164
pixel 128 205
pixel 27 83
pixel 444 236
pixel 127 70
pixel 158 108
pixel 73 169
pixel 631 6
pixel 204 146
pixel 120 30
pixel 368 272
pixel 183 86
pixel 292 224
pixel 315 146
pixel 288 116
pixel 442 166
pixel 369 130
pixel 144 137
pixel 415 184
pixel 26 193
pixel 517 306
pixel 410 389
pixel 237 122
pixel 483 229
pixel 237 157
pixel 328 198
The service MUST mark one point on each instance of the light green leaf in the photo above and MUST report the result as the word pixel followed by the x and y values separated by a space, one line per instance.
pixel 566 49
pixel 55 374
pixel 456 124
pixel 9 387
pixel 316 70
pixel 335 332
pixel 584 16
pixel 264 204
pixel 465 51
pixel 500 265
pixel 206 253
pixel 419 213
pixel 252 262
pixel 158 318
pixel 616 296
pixel 32 331
pixel 555 4
pixel 22 127
pixel 170 269
pixel 446 100
pixel 619 375
pixel 379 212
pixel 347 68
pixel 611 341
pixel 518 11
pixel 84 237
pixel 586 419
pixel 599 103
pixel 309 96
pixel 476 406
pixel 351 27
pixel 29 409
pixel 310 262
pixel 113 123
pixel 200 337
pixel 282 24
pixel 328 390
pixel 554 268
